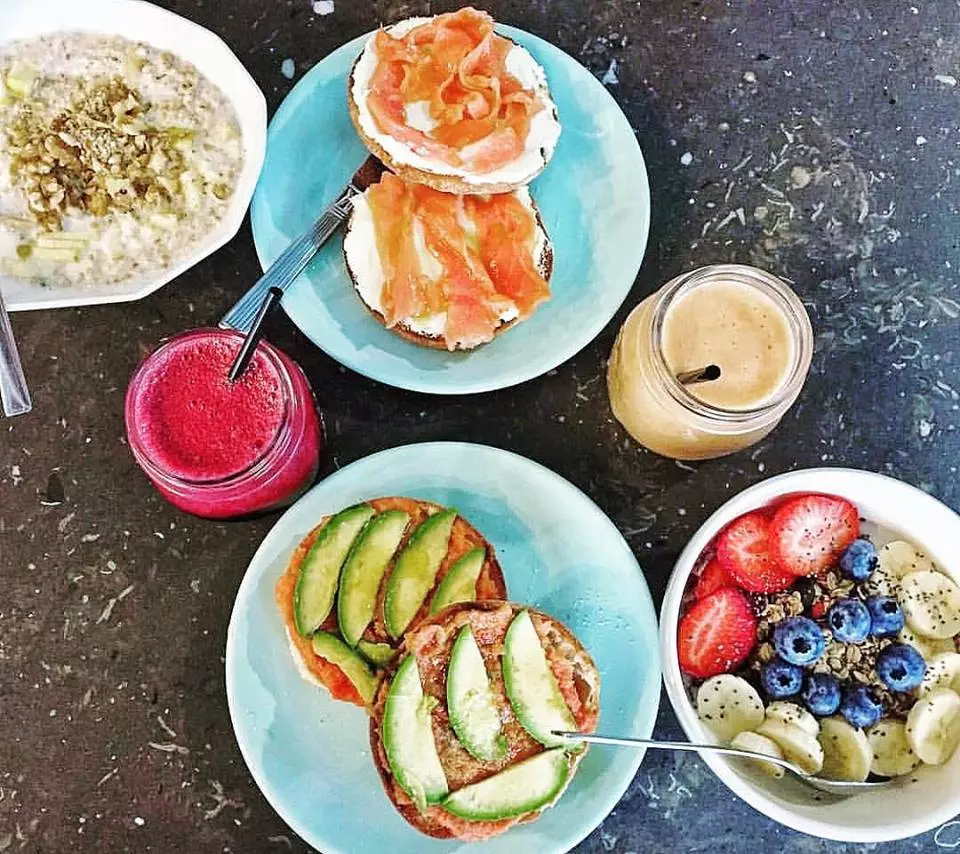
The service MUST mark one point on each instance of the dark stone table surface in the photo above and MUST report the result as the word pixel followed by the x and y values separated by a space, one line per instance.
pixel 816 139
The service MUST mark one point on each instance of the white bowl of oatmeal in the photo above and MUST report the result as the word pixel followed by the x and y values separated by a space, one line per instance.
pixel 916 802
pixel 131 140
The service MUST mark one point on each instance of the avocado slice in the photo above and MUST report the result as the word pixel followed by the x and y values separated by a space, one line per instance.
pixel 531 686
pixel 473 711
pixel 334 650
pixel 415 571
pixel 364 569
pixel 320 571
pixel 525 787
pixel 408 737
pixel 460 582
pixel 378 654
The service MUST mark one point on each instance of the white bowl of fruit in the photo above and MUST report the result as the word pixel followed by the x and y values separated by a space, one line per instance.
pixel 816 616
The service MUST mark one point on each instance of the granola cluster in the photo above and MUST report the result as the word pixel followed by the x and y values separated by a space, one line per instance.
pixel 848 662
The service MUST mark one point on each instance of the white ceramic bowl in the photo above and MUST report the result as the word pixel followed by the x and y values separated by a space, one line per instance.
pixel 897 811
pixel 140 21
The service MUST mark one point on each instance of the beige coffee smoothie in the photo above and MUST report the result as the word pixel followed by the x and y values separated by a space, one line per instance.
pixel 742 321
pixel 739 329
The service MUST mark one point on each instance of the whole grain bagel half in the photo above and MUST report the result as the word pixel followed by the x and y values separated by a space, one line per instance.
pixel 403 159
pixel 431 643
pixel 377 636
pixel 360 241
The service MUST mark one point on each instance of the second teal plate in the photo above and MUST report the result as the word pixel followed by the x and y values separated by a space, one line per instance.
pixel 593 197
pixel 310 755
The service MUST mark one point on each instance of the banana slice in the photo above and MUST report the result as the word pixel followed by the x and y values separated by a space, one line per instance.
pixel 793 715
pixel 929 648
pixel 894 561
pixel 943 671
pixel 761 744
pixel 892 753
pixel 933 726
pixel 729 705
pixel 931 604
pixel 846 751
pixel 900 558
pixel 798 745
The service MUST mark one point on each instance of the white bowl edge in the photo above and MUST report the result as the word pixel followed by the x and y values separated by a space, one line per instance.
pixel 142 21
pixel 887 815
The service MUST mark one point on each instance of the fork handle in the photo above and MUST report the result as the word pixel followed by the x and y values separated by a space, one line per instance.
pixel 291 263
pixel 13 386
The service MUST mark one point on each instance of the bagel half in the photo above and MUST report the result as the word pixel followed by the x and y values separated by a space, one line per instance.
pixel 405 161
pixel 431 642
pixel 366 273
pixel 463 538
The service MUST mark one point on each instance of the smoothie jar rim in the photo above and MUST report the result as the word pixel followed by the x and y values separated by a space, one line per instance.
pixel 774 288
pixel 261 465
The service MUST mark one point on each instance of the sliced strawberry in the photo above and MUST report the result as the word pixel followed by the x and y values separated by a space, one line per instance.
pixel 717 633
pixel 810 532
pixel 712 577
pixel 744 551
pixel 818 609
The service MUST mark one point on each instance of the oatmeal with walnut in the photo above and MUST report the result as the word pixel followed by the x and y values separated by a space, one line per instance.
pixel 116 158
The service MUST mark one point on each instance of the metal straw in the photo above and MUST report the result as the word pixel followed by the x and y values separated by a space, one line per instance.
pixel 249 346
pixel 700 375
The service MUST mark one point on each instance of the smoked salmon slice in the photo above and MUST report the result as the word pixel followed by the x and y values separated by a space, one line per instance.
pixel 471 258
pixel 457 65
pixel 502 224
pixel 408 294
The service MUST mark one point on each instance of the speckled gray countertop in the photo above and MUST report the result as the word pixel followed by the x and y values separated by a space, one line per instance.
pixel 817 140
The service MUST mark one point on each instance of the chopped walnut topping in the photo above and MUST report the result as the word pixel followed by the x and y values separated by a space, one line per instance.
pixel 98 155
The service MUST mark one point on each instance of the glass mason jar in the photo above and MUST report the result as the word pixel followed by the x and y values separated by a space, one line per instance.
pixel 684 421
pixel 222 479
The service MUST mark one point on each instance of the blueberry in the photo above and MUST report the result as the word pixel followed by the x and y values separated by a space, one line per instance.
pixel 859 560
pixel 799 640
pixel 849 620
pixel 900 667
pixel 860 706
pixel 781 679
pixel 886 616
pixel 821 693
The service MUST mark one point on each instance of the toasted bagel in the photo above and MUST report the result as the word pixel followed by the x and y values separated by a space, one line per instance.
pixel 463 538
pixel 411 165
pixel 432 641
pixel 360 240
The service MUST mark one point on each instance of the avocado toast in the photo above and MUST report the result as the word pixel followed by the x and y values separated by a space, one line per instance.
pixel 364 575
pixel 461 727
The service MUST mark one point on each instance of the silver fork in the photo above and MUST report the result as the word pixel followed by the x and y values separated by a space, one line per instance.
pixel 293 260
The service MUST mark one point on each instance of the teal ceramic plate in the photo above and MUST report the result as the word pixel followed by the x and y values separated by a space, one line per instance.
pixel 310 755
pixel 593 197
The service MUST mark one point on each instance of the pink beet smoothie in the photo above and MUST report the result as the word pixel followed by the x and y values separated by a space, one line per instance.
pixel 221 449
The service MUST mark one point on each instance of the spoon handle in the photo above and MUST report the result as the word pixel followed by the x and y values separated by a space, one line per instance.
pixel 13 385
pixel 680 745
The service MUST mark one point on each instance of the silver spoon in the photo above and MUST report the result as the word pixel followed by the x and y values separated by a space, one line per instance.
pixel 13 385
pixel 834 787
